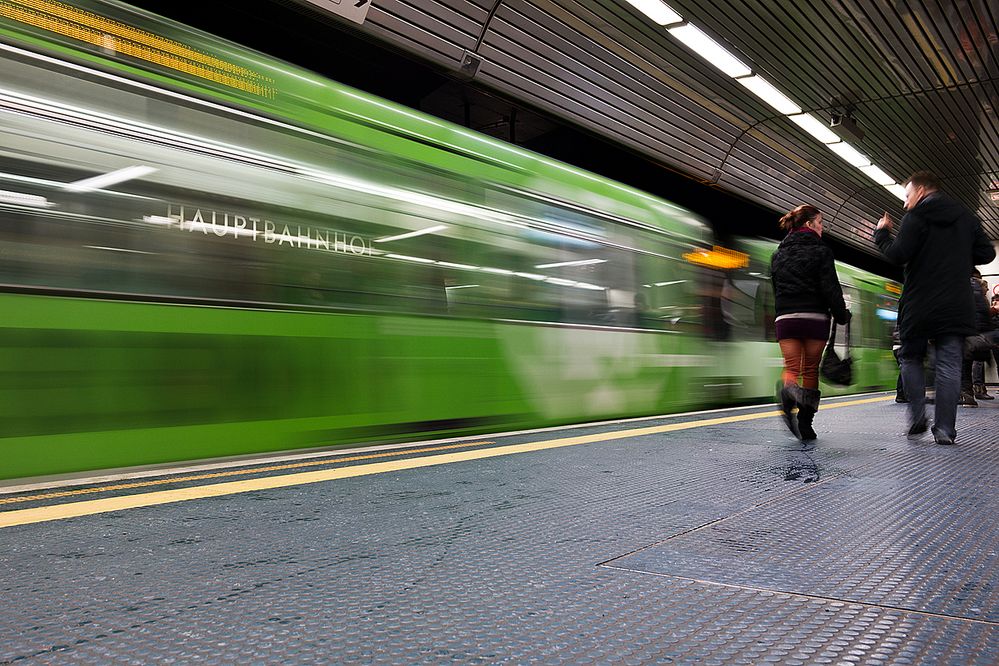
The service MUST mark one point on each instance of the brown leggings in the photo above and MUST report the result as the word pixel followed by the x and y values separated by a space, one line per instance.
pixel 801 358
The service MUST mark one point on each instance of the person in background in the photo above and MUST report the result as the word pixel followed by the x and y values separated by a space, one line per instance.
pixel 896 344
pixel 983 324
pixel 987 328
pixel 938 242
pixel 806 292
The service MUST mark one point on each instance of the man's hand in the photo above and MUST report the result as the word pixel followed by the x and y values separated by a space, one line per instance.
pixel 885 222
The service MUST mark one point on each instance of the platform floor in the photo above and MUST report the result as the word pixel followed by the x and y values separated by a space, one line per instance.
pixel 695 539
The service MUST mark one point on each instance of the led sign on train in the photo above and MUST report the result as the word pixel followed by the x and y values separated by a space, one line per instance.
pixel 718 257
pixel 117 37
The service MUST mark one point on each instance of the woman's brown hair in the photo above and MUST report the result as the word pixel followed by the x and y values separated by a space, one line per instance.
pixel 799 217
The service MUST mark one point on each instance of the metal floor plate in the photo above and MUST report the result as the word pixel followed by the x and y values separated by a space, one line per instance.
pixel 735 546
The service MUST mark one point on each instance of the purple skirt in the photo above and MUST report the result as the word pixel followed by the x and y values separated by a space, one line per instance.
pixel 795 328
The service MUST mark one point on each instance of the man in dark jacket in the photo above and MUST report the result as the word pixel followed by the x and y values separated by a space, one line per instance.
pixel 939 242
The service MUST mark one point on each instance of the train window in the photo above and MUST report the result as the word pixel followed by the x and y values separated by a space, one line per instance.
pixel 369 234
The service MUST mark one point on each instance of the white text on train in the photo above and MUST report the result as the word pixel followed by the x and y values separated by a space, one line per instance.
pixel 223 223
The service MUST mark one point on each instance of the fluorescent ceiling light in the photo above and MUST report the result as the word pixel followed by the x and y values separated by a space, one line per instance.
pixel 657 11
pixel 850 154
pixel 406 257
pixel 111 178
pixel 666 284
pixel 581 262
pixel 775 98
pixel 498 271
pixel 530 276
pixel 815 127
pixel 710 50
pixel 411 234
pixel 897 190
pixel 462 286
pixel 877 175
pixel 22 199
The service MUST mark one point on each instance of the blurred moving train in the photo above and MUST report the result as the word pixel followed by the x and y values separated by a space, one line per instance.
pixel 205 252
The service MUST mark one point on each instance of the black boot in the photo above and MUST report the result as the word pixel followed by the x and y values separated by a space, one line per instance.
pixel 787 398
pixel 807 407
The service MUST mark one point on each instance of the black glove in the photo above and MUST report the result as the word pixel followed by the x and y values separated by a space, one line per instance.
pixel 845 319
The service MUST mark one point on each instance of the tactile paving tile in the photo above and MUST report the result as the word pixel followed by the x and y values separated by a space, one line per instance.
pixel 493 561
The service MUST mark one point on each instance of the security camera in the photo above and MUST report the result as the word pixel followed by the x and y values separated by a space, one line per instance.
pixel 846 127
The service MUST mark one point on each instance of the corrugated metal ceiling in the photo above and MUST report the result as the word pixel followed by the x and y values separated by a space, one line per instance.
pixel 918 75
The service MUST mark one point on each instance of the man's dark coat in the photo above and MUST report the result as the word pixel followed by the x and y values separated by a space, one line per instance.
pixel 939 241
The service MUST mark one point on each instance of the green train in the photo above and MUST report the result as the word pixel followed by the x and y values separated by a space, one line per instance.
pixel 205 252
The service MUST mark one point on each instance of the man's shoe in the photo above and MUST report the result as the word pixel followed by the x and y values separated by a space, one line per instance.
pixel 967 400
pixel 917 429
pixel 943 440
pixel 901 399
pixel 982 393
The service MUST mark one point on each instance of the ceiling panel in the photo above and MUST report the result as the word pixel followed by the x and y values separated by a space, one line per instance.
pixel 918 76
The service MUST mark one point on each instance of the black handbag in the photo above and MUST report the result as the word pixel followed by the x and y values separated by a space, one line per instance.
pixel 834 369
pixel 977 348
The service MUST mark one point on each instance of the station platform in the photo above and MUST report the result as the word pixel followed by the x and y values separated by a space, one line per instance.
pixel 707 538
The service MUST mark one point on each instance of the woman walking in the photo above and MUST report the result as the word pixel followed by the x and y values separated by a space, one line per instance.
pixel 807 292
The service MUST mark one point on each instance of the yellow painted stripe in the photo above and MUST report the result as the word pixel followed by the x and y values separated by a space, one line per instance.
pixel 331 460
pixel 91 507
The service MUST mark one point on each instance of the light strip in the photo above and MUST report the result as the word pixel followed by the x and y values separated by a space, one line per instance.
pixel 22 199
pixel 657 11
pixel 461 266
pixel 159 219
pixel 710 50
pixel 850 154
pixel 877 175
pixel 462 286
pixel 406 257
pixel 815 127
pixel 897 190
pixel 117 249
pixel 581 262
pixel 769 94
pixel 111 178
pixel 412 234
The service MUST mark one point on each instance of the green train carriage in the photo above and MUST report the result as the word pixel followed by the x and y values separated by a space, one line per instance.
pixel 207 253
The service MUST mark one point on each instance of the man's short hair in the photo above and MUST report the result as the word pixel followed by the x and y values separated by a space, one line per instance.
pixel 925 179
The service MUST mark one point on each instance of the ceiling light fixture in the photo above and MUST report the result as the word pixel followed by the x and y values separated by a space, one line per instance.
pixel 697 41
pixel 657 11
pixel 769 94
pixel 815 127
pixel 897 190
pixel 877 175
pixel 850 154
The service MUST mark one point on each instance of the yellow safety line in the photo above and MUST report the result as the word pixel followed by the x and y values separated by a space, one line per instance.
pixel 331 460
pixel 91 507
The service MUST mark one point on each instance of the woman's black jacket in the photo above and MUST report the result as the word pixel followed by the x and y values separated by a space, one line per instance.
pixel 804 277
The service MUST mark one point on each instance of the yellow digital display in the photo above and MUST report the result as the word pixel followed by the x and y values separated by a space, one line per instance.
pixel 118 37
pixel 893 288
pixel 718 257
